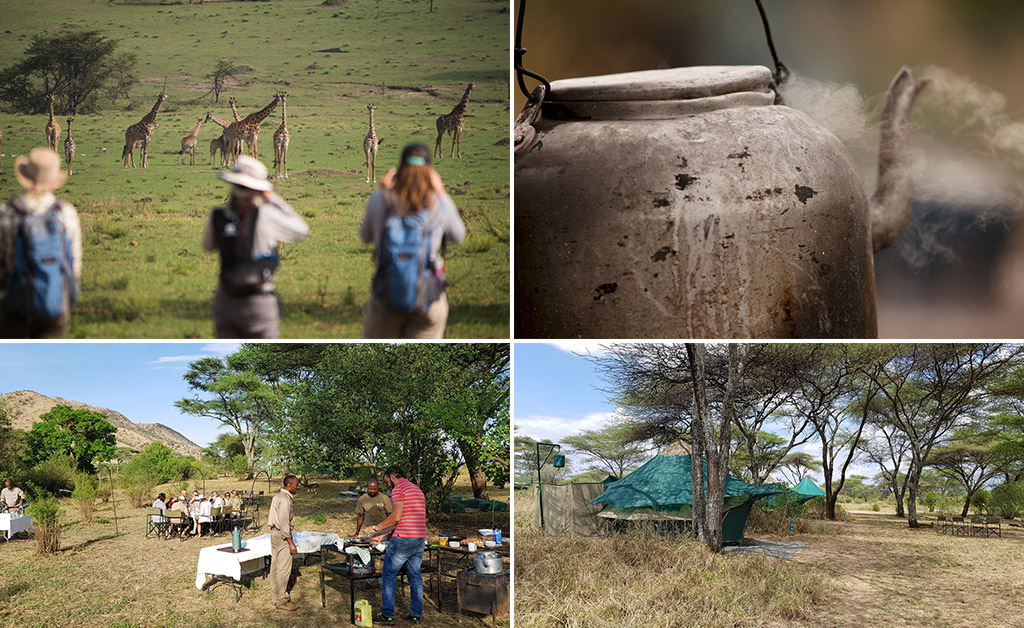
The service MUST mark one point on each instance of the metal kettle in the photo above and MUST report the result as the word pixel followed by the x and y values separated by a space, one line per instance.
pixel 487 563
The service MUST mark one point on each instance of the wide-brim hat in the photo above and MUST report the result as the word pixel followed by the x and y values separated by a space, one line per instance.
pixel 40 171
pixel 249 173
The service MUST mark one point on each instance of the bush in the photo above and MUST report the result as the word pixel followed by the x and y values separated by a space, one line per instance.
pixel 1008 499
pixel 160 463
pixel 85 495
pixel 980 501
pixel 931 500
pixel 104 492
pixel 240 466
pixel 51 478
pixel 875 508
pixel 138 484
pixel 46 515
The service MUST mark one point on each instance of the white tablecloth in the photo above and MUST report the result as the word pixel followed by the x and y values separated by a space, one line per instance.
pixel 11 524
pixel 215 563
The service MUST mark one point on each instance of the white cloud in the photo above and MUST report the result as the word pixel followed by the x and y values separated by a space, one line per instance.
pixel 177 359
pixel 218 349
pixel 581 347
pixel 221 348
pixel 553 429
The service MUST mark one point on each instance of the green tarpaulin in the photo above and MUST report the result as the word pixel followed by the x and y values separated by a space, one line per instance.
pixel 663 489
pixel 808 490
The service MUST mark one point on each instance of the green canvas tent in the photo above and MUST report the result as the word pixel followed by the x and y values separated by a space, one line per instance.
pixel 663 489
pixel 808 490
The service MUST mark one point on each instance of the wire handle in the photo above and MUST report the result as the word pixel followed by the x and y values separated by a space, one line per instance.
pixel 520 51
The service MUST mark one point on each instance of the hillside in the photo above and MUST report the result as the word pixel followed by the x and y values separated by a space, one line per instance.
pixel 29 405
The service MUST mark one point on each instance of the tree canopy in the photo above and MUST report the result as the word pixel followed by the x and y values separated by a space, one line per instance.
pixel 83 435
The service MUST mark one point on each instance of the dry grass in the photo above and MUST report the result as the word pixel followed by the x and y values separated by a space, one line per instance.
pixel 101 579
pixel 640 579
pixel 870 571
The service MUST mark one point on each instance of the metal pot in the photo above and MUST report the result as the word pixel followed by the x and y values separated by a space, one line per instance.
pixel 684 203
pixel 488 563
pixel 359 567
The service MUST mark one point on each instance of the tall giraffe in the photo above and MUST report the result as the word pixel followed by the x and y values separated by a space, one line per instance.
pixel 226 137
pixel 189 142
pixel 69 148
pixel 139 134
pixel 234 109
pixel 453 123
pixel 52 128
pixel 248 130
pixel 281 139
pixel 370 145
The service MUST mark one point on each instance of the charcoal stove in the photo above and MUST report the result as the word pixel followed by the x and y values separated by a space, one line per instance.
pixel 487 594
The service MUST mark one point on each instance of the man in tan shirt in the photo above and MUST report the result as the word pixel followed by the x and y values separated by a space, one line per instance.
pixel 11 497
pixel 282 547
pixel 373 507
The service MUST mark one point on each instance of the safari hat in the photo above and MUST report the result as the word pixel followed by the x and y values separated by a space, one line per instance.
pixel 248 173
pixel 39 172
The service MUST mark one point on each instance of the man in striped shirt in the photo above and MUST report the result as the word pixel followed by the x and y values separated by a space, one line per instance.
pixel 409 516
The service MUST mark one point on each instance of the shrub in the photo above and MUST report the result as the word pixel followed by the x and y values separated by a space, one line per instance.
pixel 1008 499
pixel 875 508
pixel 159 462
pixel 240 466
pixel 138 484
pixel 104 492
pixel 46 515
pixel 52 477
pixel 980 501
pixel 85 495
pixel 931 500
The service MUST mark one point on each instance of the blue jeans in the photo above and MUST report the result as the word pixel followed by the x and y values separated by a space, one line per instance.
pixel 408 552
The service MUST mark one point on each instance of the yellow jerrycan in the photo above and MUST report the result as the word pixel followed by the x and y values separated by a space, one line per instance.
pixel 364 613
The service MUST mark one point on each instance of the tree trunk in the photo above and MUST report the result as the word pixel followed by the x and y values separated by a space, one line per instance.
pixel 912 505
pixel 698 424
pixel 477 477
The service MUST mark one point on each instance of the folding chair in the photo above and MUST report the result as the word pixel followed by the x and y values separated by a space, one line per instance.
pixel 175 524
pixel 941 525
pixel 215 521
pixel 997 530
pixel 958 527
pixel 156 522
pixel 226 520
pixel 978 526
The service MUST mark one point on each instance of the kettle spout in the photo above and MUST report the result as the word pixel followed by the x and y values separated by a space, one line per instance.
pixel 892 201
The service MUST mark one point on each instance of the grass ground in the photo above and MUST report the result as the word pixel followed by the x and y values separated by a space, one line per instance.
pixel 104 580
pixel 145 274
pixel 874 572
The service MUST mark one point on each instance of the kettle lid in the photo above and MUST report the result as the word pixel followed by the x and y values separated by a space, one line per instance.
pixel 671 84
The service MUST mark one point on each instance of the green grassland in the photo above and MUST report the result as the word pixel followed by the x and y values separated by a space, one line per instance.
pixel 145 274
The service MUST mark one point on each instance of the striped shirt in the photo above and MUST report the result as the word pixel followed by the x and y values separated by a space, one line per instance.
pixel 413 524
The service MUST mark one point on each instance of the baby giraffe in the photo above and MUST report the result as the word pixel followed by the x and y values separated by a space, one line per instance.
pixel 370 145
pixel 69 147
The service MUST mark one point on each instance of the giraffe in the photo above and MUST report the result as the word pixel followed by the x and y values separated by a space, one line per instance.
pixel 69 148
pixel 139 134
pixel 370 145
pixel 234 109
pixel 52 128
pixel 189 142
pixel 248 130
pixel 281 138
pixel 226 137
pixel 216 144
pixel 453 123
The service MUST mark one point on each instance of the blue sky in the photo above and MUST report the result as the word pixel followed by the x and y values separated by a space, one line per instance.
pixel 141 380
pixel 556 391
pixel 556 394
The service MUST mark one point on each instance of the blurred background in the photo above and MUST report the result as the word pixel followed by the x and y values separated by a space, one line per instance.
pixel 958 270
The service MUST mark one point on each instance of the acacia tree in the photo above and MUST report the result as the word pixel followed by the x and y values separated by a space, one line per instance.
pixel 929 389
pixel 611 447
pixel 72 65
pixel 236 398
pixel 84 435
pixel 888 448
pixel 970 459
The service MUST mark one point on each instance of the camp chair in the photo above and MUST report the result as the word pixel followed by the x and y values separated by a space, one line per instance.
pixel 215 521
pixel 993 531
pixel 175 524
pixel 942 525
pixel 225 518
pixel 978 526
pixel 958 527
pixel 156 522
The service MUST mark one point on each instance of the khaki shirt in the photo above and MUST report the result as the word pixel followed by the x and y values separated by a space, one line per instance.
pixel 280 517
pixel 11 496
pixel 375 509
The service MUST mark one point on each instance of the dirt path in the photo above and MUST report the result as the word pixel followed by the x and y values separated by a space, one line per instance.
pixel 886 574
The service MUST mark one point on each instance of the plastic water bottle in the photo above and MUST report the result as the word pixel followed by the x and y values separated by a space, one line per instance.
pixel 497 536
pixel 791 525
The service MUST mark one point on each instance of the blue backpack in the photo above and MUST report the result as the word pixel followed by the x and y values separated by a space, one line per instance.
pixel 405 279
pixel 43 284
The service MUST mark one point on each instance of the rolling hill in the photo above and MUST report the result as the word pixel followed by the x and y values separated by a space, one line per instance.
pixel 29 405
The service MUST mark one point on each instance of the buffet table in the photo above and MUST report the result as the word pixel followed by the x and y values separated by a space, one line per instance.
pixel 13 523
pixel 218 564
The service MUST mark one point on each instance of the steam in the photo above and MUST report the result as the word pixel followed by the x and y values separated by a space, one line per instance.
pixel 967 155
